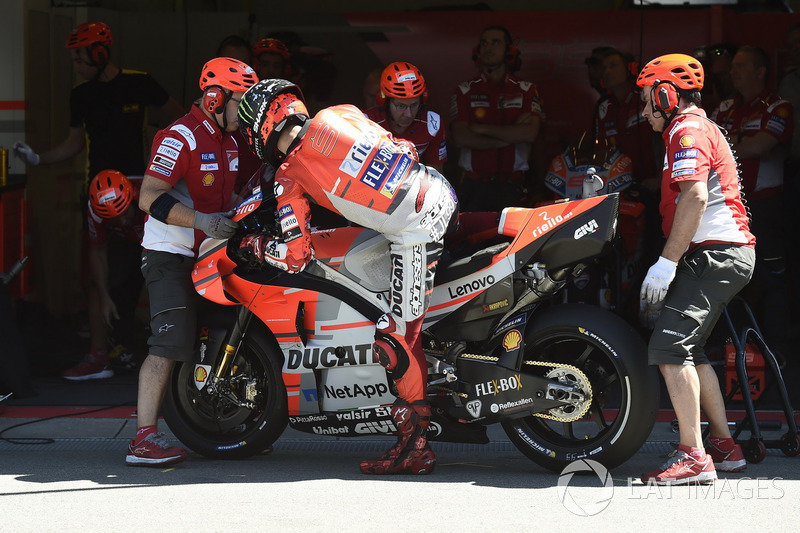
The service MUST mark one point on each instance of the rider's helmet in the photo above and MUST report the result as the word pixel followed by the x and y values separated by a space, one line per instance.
pixel 271 46
pixel 401 80
pixel 89 33
pixel 110 193
pixel 266 109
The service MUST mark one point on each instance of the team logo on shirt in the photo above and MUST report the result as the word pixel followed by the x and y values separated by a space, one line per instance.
pixel 685 154
pixel 164 161
pixel 510 103
pixel 156 168
pixel 173 143
pixel 208 180
pixel 169 152
pixel 687 141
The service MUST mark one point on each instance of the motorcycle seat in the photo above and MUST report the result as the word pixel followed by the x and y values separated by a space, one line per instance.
pixel 450 270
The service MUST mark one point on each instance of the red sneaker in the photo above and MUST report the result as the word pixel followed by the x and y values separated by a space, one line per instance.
pixel 683 469
pixel 727 461
pixel 154 450
pixel 88 370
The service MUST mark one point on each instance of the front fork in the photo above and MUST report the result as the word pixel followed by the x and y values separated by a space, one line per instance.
pixel 223 368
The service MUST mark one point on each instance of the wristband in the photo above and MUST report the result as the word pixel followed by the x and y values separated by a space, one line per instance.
pixel 161 207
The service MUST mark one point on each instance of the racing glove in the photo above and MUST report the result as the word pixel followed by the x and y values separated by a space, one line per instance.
pixel 26 153
pixel 216 225
pixel 656 283
pixel 292 257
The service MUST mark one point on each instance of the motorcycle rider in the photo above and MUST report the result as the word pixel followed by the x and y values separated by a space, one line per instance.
pixel 400 109
pixel 708 257
pixel 344 162
pixel 187 192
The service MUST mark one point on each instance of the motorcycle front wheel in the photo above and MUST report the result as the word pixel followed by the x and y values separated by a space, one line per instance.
pixel 625 389
pixel 240 420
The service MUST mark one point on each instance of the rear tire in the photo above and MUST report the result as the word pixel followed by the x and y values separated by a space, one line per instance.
pixel 625 389
pixel 211 424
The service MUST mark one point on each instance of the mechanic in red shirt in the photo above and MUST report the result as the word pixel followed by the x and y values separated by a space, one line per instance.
pixel 619 119
pixel 188 194
pixel 495 119
pixel 351 166
pixel 760 127
pixel 116 226
pixel 401 110
pixel 271 59
pixel 707 259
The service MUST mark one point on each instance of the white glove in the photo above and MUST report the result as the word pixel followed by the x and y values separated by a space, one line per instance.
pixel 649 313
pixel 656 283
pixel 26 153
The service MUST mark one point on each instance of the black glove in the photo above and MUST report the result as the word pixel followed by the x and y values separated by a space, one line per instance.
pixel 216 225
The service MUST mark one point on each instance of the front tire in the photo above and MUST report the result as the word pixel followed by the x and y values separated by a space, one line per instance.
pixel 625 389
pixel 215 425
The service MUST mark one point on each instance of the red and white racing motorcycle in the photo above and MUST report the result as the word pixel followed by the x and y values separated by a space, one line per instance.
pixel 566 381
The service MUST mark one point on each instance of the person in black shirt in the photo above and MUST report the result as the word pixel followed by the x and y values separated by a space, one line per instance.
pixel 109 108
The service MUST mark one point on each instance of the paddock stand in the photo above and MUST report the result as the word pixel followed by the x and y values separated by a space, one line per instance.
pixel 755 449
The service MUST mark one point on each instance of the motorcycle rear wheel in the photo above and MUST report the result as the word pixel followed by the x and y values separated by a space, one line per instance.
pixel 625 389
pixel 216 427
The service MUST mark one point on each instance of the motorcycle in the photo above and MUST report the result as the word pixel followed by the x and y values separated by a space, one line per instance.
pixel 585 170
pixel 565 381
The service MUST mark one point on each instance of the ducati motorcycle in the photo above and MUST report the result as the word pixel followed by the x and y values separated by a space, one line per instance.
pixel 565 381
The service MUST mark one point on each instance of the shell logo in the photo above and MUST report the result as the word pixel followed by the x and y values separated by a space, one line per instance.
pixel 200 374
pixel 208 180
pixel 687 141
pixel 480 113
pixel 512 340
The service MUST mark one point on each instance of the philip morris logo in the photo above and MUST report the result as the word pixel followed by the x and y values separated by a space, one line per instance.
pixel 578 501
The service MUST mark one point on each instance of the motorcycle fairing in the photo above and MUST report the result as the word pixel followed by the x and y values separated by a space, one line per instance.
pixel 563 234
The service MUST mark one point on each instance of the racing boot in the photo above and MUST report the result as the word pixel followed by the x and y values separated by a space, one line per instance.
pixel 411 454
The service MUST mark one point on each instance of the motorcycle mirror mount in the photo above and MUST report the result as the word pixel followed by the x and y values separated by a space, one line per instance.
pixel 591 183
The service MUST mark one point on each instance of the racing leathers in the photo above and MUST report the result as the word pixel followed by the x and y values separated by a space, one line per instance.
pixel 350 166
